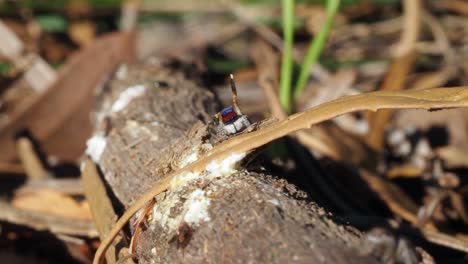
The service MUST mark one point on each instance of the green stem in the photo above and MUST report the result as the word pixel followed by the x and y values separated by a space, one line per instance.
pixel 316 47
pixel 287 63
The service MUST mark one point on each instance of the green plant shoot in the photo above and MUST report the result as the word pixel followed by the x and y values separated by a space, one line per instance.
pixel 287 63
pixel 316 47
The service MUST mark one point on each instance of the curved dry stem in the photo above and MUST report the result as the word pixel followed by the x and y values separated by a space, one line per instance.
pixel 411 27
pixel 442 44
pixel 436 98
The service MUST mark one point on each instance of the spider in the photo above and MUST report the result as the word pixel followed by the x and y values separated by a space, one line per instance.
pixel 231 118
pixel 230 121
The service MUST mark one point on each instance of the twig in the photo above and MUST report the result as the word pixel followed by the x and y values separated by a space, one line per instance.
pixel 11 46
pixel 101 209
pixel 41 221
pixel 317 70
pixel 394 80
pixel 445 240
pixel 267 63
pixel 67 186
pixel 37 73
pixel 31 162
pixel 396 200
pixel 338 85
pixel 412 22
pixel 129 15
pixel 440 77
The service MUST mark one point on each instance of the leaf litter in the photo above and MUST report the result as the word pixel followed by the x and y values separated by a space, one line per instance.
pixel 439 207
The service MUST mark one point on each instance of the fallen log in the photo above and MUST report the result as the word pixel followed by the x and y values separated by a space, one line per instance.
pixel 151 120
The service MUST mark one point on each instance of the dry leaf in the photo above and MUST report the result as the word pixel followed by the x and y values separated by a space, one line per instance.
pixel 30 159
pixel 396 200
pixel 59 117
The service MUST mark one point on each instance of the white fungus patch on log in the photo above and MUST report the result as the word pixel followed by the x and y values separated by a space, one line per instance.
pixel 214 169
pixel 188 159
pixel 183 179
pixel 196 206
pixel 122 71
pixel 127 96
pixel 225 167
pixel 275 202
pixel 95 146
pixel 155 255
pixel 137 131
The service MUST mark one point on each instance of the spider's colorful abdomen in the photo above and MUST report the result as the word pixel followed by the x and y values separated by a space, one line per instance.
pixel 230 119
pixel 228 115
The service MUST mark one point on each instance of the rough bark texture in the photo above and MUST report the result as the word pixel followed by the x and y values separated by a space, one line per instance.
pixel 233 215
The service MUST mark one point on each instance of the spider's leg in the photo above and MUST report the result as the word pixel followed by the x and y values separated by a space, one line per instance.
pixel 137 226
pixel 220 118
pixel 234 95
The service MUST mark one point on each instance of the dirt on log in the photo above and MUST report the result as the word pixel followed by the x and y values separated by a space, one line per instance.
pixel 150 120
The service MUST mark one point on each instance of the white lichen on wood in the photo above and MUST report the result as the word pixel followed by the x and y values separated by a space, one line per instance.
pixel 197 205
pixel 155 255
pixel 275 202
pixel 122 71
pixel 188 159
pixel 214 169
pixel 127 96
pixel 138 131
pixel 95 146
pixel 195 209
pixel 183 179
pixel 225 167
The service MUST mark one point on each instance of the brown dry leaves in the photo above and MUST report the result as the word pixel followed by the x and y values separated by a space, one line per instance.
pixel 62 111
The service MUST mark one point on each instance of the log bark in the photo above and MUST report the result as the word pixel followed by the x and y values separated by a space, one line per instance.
pixel 150 120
